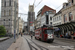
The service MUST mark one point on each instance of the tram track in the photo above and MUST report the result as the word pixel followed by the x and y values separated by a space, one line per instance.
pixel 34 46
pixel 41 47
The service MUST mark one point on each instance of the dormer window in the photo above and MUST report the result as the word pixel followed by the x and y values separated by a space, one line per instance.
pixel 64 6
pixel 69 3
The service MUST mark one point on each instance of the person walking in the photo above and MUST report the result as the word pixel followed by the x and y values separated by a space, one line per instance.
pixel 31 36
pixel 66 35
pixel 72 34
pixel 21 34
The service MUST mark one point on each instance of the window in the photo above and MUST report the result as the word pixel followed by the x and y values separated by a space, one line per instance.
pixel 9 12
pixel 69 3
pixel 4 23
pixel 9 2
pixel 72 1
pixel 70 16
pixel 4 19
pixel 9 19
pixel 47 19
pixel 4 12
pixel 50 18
pixel 59 18
pixel 55 19
pixel 48 31
pixel 65 18
pixel 5 3
pixel 64 6
pixel 9 24
pixel 50 22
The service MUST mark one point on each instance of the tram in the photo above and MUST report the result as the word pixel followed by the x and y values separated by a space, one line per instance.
pixel 45 33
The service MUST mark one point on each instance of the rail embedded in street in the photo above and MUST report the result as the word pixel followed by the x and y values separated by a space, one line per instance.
pixel 33 47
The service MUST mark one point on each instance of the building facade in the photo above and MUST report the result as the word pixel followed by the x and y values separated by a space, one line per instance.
pixel 25 27
pixel 67 17
pixel 8 13
pixel 31 17
pixel 46 19
pixel 41 16
pixel 56 19
pixel 21 24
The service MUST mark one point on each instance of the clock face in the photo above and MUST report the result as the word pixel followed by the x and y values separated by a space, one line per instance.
pixel 31 8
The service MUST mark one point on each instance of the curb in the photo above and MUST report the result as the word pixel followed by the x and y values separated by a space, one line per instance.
pixel 4 39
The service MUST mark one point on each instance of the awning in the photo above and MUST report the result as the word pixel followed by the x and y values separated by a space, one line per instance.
pixel 67 26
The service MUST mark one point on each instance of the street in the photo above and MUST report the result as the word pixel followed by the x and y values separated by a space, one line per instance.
pixel 6 44
pixel 56 45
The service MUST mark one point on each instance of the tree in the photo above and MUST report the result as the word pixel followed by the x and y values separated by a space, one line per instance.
pixel 2 30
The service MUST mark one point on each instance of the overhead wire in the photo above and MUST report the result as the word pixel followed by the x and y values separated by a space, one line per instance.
pixel 38 3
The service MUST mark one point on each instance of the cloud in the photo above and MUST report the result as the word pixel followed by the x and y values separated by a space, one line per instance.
pixel 24 4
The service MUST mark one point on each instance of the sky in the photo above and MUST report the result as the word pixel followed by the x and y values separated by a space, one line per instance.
pixel 24 4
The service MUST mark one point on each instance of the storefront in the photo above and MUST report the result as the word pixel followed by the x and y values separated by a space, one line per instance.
pixel 67 27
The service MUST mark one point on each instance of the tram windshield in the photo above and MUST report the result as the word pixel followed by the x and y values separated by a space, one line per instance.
pixel 49 31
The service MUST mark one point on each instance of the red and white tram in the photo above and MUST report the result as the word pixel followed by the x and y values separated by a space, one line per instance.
pixel 45 34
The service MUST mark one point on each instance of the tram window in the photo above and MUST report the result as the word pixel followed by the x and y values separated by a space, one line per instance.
pixel 49 31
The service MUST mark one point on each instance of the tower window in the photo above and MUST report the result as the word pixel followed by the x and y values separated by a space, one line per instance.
pixel 4 12
pixel 9 12
pixel 9 19
pixel 5 3
pixel 4 19
pixel 9 2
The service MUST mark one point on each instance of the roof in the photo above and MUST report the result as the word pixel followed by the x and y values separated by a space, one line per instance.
pixel 59 12
pixel 44 9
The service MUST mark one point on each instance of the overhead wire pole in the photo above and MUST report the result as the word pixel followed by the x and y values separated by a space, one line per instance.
pixel 15 21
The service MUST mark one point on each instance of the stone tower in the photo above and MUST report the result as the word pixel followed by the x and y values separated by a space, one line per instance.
pixel 31 16
pixel 7 14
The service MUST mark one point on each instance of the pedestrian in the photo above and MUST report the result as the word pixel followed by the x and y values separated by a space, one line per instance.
pixel 21 34
pixel 31 36
pixel 72 34
pixel 66 35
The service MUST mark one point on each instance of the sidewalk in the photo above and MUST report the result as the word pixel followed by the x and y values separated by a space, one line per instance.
pixel 2 39
pixel 21 44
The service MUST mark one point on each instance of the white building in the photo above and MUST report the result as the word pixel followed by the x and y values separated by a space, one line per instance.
pixel 57 19
pixel 47 20
pixel 41 16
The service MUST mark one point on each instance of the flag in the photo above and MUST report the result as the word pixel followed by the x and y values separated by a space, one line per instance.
pixel 71 17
